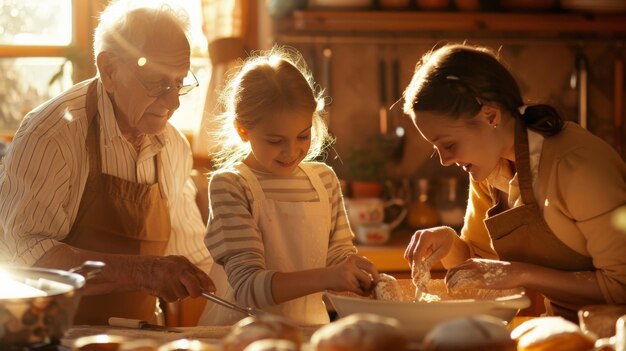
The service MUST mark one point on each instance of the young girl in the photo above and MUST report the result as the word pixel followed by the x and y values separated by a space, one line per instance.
pixel 543 192
pixel 277 224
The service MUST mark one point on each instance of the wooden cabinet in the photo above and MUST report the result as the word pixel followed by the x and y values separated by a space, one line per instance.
pixel 344 50
pixel 420 23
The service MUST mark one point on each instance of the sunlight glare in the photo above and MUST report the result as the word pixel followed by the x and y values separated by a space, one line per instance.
pixel 42 22
pixel 68 115
pixel 619 219
pixel 12 288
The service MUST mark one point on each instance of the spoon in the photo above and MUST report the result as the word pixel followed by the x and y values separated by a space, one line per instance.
pixel 249 311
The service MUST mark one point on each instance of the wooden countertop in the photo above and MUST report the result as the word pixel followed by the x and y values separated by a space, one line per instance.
pixel 208 334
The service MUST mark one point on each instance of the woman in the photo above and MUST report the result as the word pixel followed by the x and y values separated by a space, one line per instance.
pixel 542 191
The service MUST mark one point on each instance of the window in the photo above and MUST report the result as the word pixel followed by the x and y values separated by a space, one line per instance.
pixel 34 37
pixel 36 22
pixel 188 116
pixel 46 47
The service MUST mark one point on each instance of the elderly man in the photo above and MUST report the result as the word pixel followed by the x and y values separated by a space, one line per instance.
pixel 98 173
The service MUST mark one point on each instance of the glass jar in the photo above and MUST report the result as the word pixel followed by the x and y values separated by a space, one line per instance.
pixel 422 213
pixel 450 207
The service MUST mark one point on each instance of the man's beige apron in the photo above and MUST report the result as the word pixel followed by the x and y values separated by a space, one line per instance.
pixel 295 237
pixel 521 234
pixel 118 217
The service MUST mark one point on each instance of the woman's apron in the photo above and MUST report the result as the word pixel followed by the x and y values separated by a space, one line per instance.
pixel 295 237
pixel 521 234
pixel 118 217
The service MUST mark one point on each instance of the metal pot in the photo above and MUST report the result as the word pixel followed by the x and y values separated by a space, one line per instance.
pixel 44 316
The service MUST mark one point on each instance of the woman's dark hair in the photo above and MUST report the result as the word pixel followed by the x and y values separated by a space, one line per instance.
pixel 456 79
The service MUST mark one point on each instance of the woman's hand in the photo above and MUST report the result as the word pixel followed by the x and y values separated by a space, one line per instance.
pixel 574 288
pixel 356 274
pixel 479 273
pixel 430 244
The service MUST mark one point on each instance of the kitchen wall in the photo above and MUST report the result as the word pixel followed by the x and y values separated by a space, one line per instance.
pixel 544 67
pixel 544 70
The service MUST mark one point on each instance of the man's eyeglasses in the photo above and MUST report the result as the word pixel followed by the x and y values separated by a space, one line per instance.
pixel 159 89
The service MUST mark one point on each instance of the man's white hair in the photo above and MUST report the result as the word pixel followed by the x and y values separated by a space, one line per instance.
pixel 126 25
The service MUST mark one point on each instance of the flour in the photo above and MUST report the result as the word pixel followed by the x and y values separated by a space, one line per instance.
pixel 438 291
pixel 584 276
pixel 420 276
pixel 466 278
pixel 388 289
pixel 403 290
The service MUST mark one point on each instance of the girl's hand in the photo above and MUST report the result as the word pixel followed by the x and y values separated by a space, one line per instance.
pixel 478 273
pixel 430 244
pixel 356 274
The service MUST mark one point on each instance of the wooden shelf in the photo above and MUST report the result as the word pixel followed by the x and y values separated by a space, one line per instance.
pixel 416 23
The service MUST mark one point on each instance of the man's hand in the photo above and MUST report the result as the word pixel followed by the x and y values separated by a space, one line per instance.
pixel 171 277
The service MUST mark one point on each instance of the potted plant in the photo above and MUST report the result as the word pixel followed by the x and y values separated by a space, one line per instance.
pixel 366 169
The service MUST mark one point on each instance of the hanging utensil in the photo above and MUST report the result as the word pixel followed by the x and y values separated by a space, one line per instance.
pixel 327 56
pixel 383 121
pixel 398 132
pixel 582 68
pixel 618 110
pixel 326 76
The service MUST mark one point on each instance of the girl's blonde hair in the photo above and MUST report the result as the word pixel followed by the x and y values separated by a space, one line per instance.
pixel 268 83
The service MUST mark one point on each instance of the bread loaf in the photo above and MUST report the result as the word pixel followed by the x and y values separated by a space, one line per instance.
pixel 388 289
pixel 551 333
pixel 251 329
pixel 272 345
pixel 474 333
pixel 360 332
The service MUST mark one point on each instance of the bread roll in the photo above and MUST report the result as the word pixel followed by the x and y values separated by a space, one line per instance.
pixel 272 345
pixel 474 333
pixel 251 329
pixel 551 333
pixel 387 288
pixel 362 332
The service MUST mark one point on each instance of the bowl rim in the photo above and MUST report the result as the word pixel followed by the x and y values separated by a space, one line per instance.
pixel 515 300
pixel 75 280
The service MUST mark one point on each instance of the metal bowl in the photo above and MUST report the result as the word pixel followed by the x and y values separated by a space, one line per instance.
pixel 45 308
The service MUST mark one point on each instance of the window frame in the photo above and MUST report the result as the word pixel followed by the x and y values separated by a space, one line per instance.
pixel 79 51
pixel 83 24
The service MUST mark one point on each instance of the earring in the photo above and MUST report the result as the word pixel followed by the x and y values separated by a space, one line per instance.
pixel 495 126
pixel 242 134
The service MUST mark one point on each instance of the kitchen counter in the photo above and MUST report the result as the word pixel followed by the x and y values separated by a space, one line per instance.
pixel 208 334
